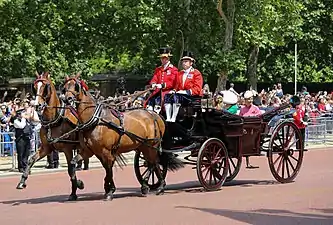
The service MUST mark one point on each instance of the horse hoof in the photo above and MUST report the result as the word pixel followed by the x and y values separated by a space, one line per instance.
pixel 21 186
pixel 144 191
pixel 108 197
pixel 160 191
pixel 80 184
pixel 72 198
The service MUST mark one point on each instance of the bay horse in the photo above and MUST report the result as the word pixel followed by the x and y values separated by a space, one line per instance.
pixel 56 119
pixel 108 134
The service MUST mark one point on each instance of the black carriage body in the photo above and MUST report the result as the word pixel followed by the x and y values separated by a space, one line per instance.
pixel 216 141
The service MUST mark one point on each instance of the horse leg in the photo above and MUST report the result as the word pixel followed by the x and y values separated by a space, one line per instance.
pixel 38 155
pixel 150 156
pixel 160 189
pixel 144 185
pixel 109 186
pixel 71 163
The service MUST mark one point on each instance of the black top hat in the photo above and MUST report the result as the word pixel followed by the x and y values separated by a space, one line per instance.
pixel 188 55
pixel 295 100
pixel 165 52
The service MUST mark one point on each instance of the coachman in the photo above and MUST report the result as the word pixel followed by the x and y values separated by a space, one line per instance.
pixel 163 81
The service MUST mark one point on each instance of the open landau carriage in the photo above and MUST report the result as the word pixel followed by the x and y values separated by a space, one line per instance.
pixel 216 141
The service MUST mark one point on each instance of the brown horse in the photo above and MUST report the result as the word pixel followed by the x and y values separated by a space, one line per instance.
pixel 109 134
pixel 56 120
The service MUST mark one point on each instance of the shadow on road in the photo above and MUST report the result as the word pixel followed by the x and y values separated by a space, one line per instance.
pixel 125 192
pixel 63 198
pixel 195 186
pixel 269 216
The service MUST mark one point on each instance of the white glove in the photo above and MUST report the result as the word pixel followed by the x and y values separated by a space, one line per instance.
pixel 305 123
pixel 171 92
pixel 159 85
pixel 183 92
pixel 153 85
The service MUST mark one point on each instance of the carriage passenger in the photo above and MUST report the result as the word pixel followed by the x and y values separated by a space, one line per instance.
pixel 230 100
pixel 249 108
pixel 188 84
pixel 163 80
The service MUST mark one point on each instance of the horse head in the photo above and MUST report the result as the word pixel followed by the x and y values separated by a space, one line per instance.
pixel 74 89
pixel 42 89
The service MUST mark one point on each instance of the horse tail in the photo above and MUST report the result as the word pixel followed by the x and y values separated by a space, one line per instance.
pixel 171 161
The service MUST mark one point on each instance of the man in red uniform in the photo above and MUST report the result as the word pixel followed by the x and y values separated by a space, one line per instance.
pixel 188 83
pixel 163 81
pixel 298 116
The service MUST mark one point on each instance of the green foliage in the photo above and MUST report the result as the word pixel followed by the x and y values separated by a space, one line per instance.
pixel 97 36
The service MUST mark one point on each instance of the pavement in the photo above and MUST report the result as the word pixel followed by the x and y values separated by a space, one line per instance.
pixel 7 164
pixel 254 197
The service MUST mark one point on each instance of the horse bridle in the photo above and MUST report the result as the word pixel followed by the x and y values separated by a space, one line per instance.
pixel 45 97
pixel 77 89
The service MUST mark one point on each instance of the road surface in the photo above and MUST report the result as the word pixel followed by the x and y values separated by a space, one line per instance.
pixel 253 198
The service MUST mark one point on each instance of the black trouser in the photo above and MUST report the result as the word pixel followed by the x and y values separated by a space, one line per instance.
pixel 53 158
pixel 23 151
pixel 303 136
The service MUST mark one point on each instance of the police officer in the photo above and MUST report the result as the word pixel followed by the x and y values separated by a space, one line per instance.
pixel 189 83
pixel 163 80
pixel 22 138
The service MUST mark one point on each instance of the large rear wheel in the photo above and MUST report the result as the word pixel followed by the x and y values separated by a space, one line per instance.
pixel 285 152
pixel 212 164
pixel 234 167
pixel 141 169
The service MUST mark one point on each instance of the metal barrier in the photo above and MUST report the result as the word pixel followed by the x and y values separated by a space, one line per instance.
pixel 320 129
pixel 8 146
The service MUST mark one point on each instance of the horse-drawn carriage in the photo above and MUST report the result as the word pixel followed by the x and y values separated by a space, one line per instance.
pixel 216 141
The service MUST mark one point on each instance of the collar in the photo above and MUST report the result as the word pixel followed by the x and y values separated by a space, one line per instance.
pixel 188 70
pixel 166 65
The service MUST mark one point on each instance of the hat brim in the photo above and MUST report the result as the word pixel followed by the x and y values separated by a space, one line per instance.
pixel 187 58
pixel 165 55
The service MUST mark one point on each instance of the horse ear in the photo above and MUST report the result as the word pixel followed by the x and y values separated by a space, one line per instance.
pixel 78 75
pixel 66 78
pixel 37 75
pixel 47 75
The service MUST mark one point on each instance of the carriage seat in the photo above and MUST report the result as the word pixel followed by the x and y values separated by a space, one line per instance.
pixel 195 102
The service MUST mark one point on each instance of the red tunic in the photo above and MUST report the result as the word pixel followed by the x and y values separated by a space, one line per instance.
pixel 165 76
pixel 193 82
pixel 299 116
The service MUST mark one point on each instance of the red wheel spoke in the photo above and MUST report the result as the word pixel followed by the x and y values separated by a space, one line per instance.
pixel 144 173
pixel 232 162
pixel 279 138
pixel 294 142
pixel 210 175
pixel 279 166
pixel 287 167
pixel 277 159
pixel 208 169
pixel 294 158
pixel 288 140
pixel 292 166
pixel 282 167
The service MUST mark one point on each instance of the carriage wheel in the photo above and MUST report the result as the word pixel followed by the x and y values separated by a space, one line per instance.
pixel 285 154
pixel 212 164
pixel 233 167
pixel 141 168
